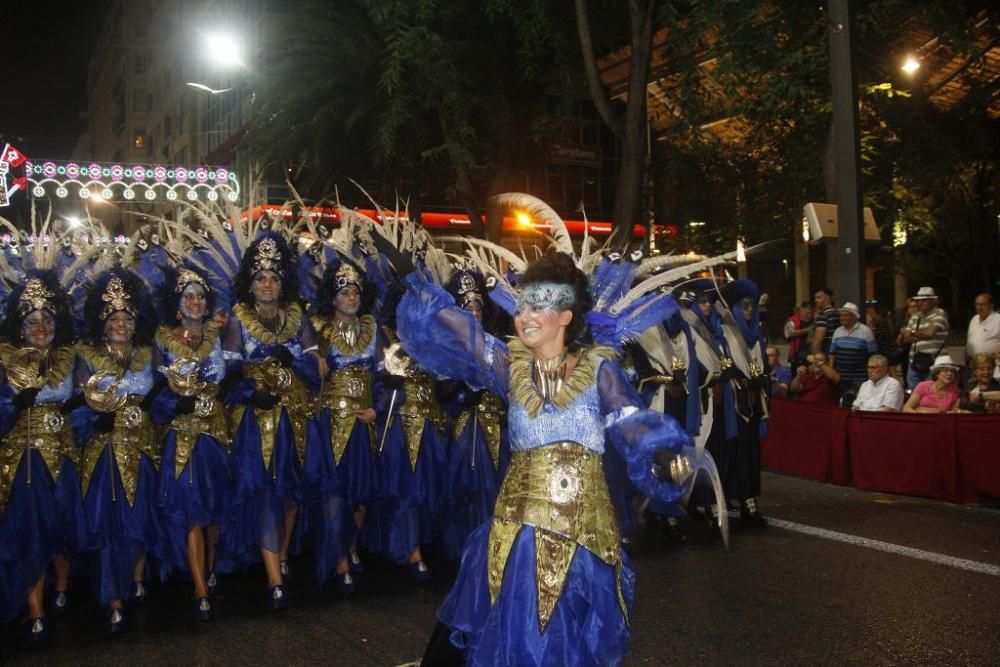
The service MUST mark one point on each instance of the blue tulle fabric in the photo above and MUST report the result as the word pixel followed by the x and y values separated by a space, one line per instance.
pixel 260 496
pixel 118 533
pixel 470 490
pixel 587 626
pixel 446 340
pixel 408 499
pixel 42 520
pixel 195 498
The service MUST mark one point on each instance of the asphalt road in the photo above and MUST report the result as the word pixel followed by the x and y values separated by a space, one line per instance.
pixel 898 581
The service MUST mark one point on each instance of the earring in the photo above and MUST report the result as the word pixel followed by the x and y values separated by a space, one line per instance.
pixel 180 317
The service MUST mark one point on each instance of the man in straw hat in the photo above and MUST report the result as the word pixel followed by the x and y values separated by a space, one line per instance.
pixel 926 331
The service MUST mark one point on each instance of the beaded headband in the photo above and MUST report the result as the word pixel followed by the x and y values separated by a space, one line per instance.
pixel 36 296
pixel 547 296
pixel 267 258
pixel 116 298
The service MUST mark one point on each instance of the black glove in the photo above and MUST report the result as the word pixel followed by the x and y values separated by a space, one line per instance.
pixel 72 404
pixel 185 405
pixel 25 399
pixel 263 400
pixel 679 376
pixel 473 398
pixel 731 373
pixel 147 400
pixel 105 422
pixel 400 262
pixel 661 464
pixel 393 381
pixel 233 377
pixel 283 356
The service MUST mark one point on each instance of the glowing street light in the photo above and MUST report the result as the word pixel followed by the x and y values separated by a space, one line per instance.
pixel 911 65
pixel 223 50
pixel 523 219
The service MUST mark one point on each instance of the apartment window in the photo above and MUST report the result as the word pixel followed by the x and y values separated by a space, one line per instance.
pixel 141 63
pixel 139 140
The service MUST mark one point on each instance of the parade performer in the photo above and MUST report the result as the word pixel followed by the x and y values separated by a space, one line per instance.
pixel 339 459
pixel 41 512
pixel 479 450
pixel 121 451
pixel 271 340
pixel 194 472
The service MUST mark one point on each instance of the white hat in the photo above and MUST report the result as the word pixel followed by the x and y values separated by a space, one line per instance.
pixel 944 361
pixel 925 293
pixel 851 308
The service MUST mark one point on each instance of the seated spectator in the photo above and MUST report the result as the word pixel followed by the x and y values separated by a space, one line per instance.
pixel 982 381
pixel 818 382
pixel 881 392
pixel 853 342
pixel 939 394
pixel 781 376
pixel 798 328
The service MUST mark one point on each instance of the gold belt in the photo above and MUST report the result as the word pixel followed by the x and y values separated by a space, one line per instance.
pixel 43 428
pixel 133 436
pixel 561 491
pixel 208 417
pixel 294 399
pixel 489 418
pixel 421 405
pixel 346 390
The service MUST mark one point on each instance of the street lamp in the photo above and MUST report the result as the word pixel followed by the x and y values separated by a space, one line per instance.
pixel 911 65
pixel 223 50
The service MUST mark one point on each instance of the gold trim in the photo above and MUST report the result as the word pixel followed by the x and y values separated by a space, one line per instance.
pixel 522 385
pixel 331 334
pixel 50 437
pixel 100 360
pixel 248 316
pixel 175 345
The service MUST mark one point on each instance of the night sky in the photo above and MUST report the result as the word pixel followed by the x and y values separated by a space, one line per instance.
pixel 48 46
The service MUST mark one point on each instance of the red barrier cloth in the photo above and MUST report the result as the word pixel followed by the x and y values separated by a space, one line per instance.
pixel 952 457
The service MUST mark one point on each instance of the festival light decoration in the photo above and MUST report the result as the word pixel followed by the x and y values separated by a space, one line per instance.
pixel 131 182
pixel 10 158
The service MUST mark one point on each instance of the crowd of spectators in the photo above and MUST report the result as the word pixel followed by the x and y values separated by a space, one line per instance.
pixel 836 357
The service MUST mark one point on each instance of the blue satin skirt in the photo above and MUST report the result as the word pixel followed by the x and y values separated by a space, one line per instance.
pixel 587 626
pixel 42 520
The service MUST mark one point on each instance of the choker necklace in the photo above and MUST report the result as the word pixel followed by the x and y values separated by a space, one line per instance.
pixel 349 331
pixel 273 323
pixel 549 375
pixel 122 357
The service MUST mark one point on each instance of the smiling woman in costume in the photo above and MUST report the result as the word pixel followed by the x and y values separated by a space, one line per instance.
pixel 41 515
pixel 271 340
pixel 194 473
pixel 545 581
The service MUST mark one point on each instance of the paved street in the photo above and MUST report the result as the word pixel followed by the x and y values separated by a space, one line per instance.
pixel 783 597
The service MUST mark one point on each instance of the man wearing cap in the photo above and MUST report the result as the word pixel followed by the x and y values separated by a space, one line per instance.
pixel 984 329
pixel 926 331
pixel 853 342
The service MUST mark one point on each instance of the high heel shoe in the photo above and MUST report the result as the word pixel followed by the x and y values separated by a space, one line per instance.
pixel 211 583
pixel 279 598
pixel 203 610
pixel 356 564
pixel 138 593
pixel 421 574
pixel 344 582
pixel 116 620
pixel 286 572
pixel 60 602
pixel 37 632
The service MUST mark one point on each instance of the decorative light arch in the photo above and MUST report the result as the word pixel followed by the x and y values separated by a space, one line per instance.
pixel 132 182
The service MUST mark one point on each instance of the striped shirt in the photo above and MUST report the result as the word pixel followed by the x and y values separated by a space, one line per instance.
pixel 935 344
pixel 851 350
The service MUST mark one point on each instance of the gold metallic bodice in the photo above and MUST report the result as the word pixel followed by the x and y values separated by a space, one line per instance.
pixel 133 435
pixel 489 418
pixel 208 417
pixel 421 405
pixel 560 490
pixel 42 428
pixel 294 399
pixel 344 391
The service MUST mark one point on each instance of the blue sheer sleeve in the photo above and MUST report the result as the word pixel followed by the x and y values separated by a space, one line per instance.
pixel 446 340
pixel 638 433
pixel 8 412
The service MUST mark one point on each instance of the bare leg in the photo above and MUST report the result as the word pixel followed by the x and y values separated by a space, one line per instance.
pixel 196 561
pixel 140 568
pixel 416 555
pixel 36 599
pixel 61 565
pixel 290 517
pixel 359 520
pixel 272 564
pixel 213 535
